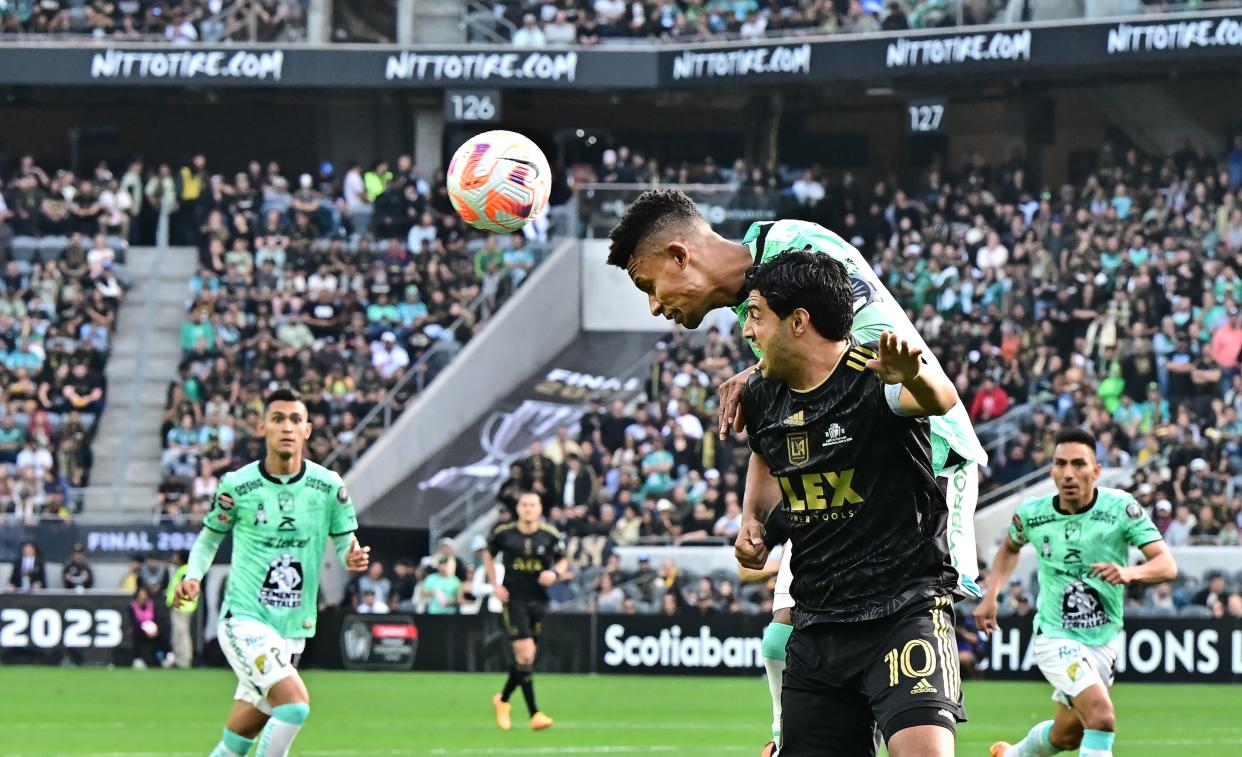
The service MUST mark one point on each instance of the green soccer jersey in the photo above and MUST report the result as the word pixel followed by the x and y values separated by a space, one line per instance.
pixel 279 532
pixel 875 311
pixel 1073 604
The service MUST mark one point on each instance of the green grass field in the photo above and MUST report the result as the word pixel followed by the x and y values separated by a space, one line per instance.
pixel 158 713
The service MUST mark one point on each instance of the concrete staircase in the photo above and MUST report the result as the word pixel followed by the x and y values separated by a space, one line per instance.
pixel 145 353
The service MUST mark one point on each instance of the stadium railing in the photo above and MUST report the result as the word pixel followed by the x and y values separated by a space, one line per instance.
pixel 418 374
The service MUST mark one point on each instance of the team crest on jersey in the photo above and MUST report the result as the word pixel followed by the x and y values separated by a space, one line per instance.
pixel 1134 511
pixel 799 448
pixel 835 435
pixel 284 501
pixel 1072 531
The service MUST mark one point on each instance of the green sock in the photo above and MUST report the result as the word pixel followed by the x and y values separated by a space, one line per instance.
pixel 775 637
pixel 232 745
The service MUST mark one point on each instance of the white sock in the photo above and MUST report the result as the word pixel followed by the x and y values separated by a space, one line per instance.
pixel 776 676
pixel 281 729
pixel 1035 744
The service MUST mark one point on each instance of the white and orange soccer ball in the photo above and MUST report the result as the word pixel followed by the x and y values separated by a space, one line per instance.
pixel 499 181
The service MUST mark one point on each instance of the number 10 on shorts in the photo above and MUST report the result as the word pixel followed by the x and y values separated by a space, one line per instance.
pixel 903 661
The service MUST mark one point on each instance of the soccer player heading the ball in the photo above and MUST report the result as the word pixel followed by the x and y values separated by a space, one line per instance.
pixel 1082 535
pixel 838 430
pixel 281 510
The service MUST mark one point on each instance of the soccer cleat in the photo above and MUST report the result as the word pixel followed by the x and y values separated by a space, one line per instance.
pixel 998 749
pixel 539 721
pixel 769 750
pixel 502 713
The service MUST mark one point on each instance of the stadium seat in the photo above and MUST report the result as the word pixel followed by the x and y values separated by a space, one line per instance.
pixel 24 248
pixel 1195 611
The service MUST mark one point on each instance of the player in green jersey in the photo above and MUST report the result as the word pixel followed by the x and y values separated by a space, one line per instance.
pixel 687 270
pixel 1083 535
pixel 281 510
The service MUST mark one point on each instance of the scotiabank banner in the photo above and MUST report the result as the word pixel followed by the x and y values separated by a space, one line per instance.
pixel 999 50
pixel 54 627
pixel 1182 650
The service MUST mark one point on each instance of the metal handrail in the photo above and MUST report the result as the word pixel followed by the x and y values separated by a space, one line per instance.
pixel 1014 486
pixel 444 519
pixel 473 8
pixel 385 406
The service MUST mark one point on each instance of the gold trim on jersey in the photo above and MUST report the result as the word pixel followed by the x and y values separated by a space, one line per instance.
pixel 824 380
pixel 858 356
pixel 946 647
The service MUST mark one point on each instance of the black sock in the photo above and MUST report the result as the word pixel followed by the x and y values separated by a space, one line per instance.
pixel 515 678
pixel 528 690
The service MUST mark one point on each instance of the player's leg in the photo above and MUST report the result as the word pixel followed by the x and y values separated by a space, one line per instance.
pixel 290 702
pixel 244 724
pixel 538 719
pixel 776 636
pixel 1080 676
pixel 819 717
pixel 913 680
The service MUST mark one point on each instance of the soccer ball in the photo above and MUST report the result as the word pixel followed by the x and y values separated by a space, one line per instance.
pixel 499 181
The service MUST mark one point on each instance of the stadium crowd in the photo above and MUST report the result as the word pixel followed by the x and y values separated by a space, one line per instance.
pixel 61 253
pixel 179 22
pixel 339 286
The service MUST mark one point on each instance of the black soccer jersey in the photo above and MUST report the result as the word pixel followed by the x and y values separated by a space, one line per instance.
pixel 867 518
pixel 525 557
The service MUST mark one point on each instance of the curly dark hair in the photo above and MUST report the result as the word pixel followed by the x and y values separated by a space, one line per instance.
pixel 653 210
pixel 283 393
pixel 812 281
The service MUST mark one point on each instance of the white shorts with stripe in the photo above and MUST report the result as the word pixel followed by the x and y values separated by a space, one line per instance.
pixel 259 656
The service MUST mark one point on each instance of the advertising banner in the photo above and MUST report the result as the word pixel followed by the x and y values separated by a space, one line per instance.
pixel 378 642
pixel 1069 46
pixel 49 628
pixel 1167 650
pixel 102 542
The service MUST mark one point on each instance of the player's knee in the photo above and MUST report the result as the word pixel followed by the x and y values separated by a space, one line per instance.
pixel 1100 717
pixel 783 615
pixel 295 713
pixel 1066 742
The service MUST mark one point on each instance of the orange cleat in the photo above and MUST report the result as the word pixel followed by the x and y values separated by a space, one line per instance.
pixel 998 749
pixel 502 713
pixel 539 721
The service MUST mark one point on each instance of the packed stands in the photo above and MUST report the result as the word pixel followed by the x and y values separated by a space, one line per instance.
pixel 178 23
pixel 357 287
pixel 62 240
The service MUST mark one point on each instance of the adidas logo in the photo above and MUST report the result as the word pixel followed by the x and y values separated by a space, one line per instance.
pixel 923 687
pixel 797 419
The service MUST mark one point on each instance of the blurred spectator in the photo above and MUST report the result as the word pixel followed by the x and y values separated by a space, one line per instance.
pixel 76 572
pixel 402 597
pixel 371 604
pixel 153 574
pixel 149 631
pixel 374 582
pixel 442 591
pixel 28 573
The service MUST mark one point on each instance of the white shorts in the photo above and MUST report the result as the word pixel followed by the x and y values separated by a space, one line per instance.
pixel 781 599
pixel 259 656
pixel 1072 667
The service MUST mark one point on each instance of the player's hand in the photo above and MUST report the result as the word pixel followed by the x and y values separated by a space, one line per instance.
pixel 358 558
pixel 502 594
pixel 898 361
pixel 547 578
pixel 730 402
pixel 749 548
pixel 1111 572
pixel 186 591
pixel 985 615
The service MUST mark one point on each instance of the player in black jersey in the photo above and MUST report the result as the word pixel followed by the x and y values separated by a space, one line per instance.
pixel 837 428
pixel 534 559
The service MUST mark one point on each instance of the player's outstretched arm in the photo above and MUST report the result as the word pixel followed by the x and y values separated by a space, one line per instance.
pixel 730 402
pixel 1160 567
pixel 1002 568
pixel 925 389
pixel 201 556
pixel 761 496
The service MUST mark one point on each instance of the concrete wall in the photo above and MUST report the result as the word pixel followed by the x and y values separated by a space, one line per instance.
pixel 611 302
pixel 540 320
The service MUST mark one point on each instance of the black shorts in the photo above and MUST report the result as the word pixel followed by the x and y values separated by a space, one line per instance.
pixel 524 619
pixel 846 684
